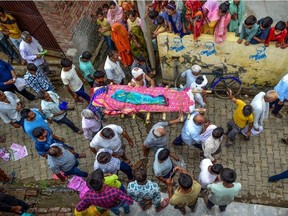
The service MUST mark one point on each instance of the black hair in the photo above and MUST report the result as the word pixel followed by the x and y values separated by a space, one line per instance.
pixel 199 80
pixel 105 6
pixel 216 168
pixel 38 131
pixel 112 52
pixel 41 94
pixel 53 151
pixel 112 3
pixel 140 58
pixel 281 25
pixel 99 74
pixel 66 62
pixel 224 7
pixel 163 154
pixel 185 181
pixel 228 175
pixel 31 67
pixel 140 175
pixel 103 157
pixel 132 13
pixel 24 112
pixel 153 14
pixel 160 20
pixel 86 55
pixel 218 132
pixel 267 22
pixel 247 110
pixel 96 179
pixel 2 10
pixel 99 13
pixel 250 20
pixel 107 133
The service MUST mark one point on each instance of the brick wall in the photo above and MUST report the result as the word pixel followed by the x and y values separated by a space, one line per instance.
pixel 71 23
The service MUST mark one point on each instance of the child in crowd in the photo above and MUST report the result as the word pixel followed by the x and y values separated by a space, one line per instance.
pixel 86 67
pixel 222 23
pixel 105 29
pixel 99 79
pixel 161 26
pixel 72 82
pixel 105 9
pixel 223 193
pixel 133 20
pixel 249 30
pixel 263 31
pixel 199 84
pixel 277 33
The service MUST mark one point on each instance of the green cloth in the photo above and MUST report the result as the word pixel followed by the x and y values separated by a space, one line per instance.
pixel 135 50
pixel 112 181
pixel 240 10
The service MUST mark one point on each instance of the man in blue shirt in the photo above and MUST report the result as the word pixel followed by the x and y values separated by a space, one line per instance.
pixel 7 79
pixel 32 119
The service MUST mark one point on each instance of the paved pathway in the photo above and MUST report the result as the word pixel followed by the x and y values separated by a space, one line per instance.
pixel 253 161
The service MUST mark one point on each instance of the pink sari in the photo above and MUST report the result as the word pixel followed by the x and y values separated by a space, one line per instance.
pixel 115 15
pixel 221 28
pixel 212 7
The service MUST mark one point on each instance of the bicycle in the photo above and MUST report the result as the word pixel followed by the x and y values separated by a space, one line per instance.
pixel 221 83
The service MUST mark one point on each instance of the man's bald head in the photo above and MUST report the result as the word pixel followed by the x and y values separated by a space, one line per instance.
pixel 160 131
pixel 199 119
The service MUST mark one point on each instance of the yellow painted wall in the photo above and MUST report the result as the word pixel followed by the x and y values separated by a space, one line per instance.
pixel 236 57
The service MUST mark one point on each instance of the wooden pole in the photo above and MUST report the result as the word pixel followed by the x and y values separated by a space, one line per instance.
pixel 146 31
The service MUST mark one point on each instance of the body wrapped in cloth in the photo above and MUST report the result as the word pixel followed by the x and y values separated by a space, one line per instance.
pixel 123 99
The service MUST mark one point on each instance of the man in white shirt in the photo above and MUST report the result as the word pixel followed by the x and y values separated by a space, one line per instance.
pixel 31 51
pixel 72 82
pixel 191 131
pixel 208 172
pixel 191 75
pixel 10 107
pixel 110 138
pixel 113 69
pixel 50 102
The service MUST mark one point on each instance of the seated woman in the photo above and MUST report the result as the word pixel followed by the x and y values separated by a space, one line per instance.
pixel 140 78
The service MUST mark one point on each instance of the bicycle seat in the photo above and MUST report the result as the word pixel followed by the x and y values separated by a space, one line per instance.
pixel 218 72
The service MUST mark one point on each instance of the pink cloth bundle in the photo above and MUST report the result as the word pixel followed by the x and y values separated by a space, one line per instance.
pixel 178 101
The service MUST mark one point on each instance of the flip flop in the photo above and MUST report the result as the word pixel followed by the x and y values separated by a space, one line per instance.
pixel 163 204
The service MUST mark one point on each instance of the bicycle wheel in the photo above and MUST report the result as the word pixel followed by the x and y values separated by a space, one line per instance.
pixel 221 85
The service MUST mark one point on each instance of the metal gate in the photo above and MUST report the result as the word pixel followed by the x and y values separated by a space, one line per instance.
pixel 29 19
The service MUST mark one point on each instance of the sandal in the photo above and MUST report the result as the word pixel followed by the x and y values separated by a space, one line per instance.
pixel 284 140
pixel 82 155
pixel 2 139
pixel 163 204
pixel 277 115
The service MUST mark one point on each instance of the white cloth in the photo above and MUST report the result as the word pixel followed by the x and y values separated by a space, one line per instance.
pixel 90 127
pixel 190 132
pixel 207 133
pixel 114 144
pixel 28 52
pixel 136 72
pixel 72 79
pixel 50 108
pixel 113 71
pixel 190 78
pixel 8 112
pixel 162 169
pixel 198 96
pixel 260 109
pixel 205 177
pixel 210 146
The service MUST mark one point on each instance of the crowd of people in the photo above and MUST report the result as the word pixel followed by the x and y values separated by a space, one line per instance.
pixel 120 26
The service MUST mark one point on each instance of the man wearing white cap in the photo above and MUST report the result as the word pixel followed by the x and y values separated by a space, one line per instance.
pixel 157 137
pixel 140 78
pixel 191 75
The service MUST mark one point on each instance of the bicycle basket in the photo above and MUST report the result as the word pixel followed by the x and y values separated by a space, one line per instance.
pixel 218 72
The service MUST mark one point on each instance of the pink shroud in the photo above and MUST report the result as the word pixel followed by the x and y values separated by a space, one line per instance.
pixel 178 101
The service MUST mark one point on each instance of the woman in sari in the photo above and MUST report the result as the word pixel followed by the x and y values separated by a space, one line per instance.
pixel 137 42
pixel 211 16
pixel 237 11
pixel 223 22
pixel 115 13
pixel 190 8
pixel 120 37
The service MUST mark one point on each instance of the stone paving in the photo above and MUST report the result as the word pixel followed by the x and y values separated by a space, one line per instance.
pixel 253 160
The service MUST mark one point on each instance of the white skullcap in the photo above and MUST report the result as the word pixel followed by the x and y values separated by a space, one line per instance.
pixel 136 72
pixel 196 68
